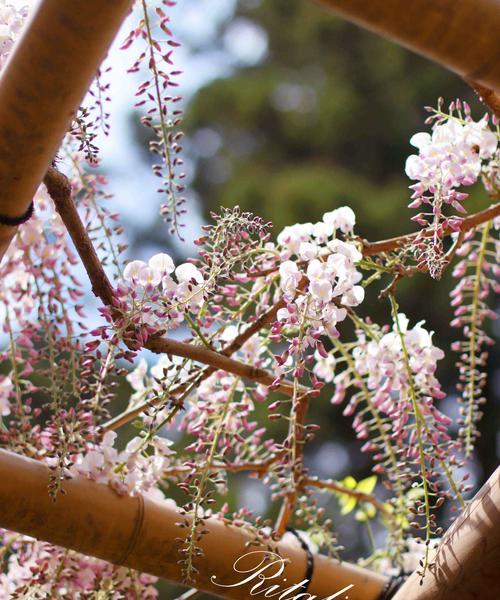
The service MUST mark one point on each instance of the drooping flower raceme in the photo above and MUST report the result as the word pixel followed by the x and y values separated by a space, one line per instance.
pixel 453 155
pixel 448 158
pixel 329 264
pixel 382 361
pixel 36 569
pixel 399 367
pixel 477 274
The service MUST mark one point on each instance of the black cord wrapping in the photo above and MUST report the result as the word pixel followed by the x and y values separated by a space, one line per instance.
pixel 393 585
pixel 15 221
pixel 309 557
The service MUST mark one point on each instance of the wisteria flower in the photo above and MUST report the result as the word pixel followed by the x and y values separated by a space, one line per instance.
pixel 324 366
pixel 6 387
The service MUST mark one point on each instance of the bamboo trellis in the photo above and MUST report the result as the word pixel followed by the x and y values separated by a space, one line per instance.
pixel 460 35
pixel 40 88
pixel 141 533
pixel 466 564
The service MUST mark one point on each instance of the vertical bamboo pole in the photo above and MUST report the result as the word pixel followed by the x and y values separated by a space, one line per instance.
pixel 41 86
pixel 141 533
pixel 467 562
pixel 461 35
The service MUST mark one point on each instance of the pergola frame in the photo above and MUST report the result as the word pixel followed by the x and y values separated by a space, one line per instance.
pixel 41 87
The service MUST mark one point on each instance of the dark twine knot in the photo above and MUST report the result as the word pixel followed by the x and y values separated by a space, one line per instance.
pixel 15 221
pixel 309 557
pixel 393 585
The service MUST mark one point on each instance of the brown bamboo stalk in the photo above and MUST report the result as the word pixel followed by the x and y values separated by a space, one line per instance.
pixel 42 85
pixel 487 96
pixel 462 36
pixel 467 560
pixel 140 533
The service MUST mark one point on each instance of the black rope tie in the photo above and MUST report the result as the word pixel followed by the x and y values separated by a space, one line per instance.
pixel 15 221
pixel 393 585
pixel 309 557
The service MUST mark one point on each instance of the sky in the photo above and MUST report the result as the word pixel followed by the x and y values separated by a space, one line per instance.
pixel 201 58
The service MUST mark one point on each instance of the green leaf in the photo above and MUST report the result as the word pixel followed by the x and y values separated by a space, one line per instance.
pixel 348 504
pixel 367 485
pixel 349 482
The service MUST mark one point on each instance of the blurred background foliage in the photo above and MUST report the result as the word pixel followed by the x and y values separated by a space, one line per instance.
pixel 322 119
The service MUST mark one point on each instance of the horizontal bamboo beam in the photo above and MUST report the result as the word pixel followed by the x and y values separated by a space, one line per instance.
pixel 461 35
pixel 466 565
pixel 140 533
pixel 42 85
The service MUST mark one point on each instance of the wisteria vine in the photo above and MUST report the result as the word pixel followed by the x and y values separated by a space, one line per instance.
pixel 265 324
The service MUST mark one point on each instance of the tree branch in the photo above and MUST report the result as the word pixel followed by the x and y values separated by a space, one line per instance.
pixel 399 242
pixel 59 189
pixel 396 243
pixel 265 319
pixel 260 468
pixel 333 486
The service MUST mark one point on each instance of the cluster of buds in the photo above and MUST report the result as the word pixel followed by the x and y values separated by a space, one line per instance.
pixel 163 115
pixel 35 569
pixel 477 273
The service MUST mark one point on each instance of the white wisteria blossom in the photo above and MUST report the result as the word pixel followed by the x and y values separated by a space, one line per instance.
pixel 6 387
pixel 12 17
pixel 129 472
pixel 330 270
pixel 324 366
pixel 449 157
pixel 161 292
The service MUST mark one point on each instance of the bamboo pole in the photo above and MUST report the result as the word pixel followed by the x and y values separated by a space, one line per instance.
pixel 461 35
pixel 41 86
pixel 467 561
pixel 140 533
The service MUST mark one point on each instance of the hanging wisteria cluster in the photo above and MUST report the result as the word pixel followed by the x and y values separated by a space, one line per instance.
pixel 267 328
pixel 457 152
